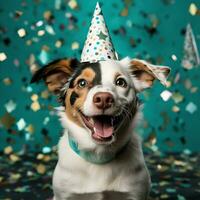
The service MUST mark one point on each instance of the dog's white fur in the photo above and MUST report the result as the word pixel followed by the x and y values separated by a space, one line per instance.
pixel 126 173
pixel 75 175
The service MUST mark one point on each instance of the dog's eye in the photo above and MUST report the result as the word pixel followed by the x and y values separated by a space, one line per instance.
pixel 82 83
pixel 121 82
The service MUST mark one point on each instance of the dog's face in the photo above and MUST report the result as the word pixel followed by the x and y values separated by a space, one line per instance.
pixel 100 97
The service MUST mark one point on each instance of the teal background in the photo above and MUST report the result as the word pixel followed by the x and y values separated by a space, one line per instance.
pixel 162 129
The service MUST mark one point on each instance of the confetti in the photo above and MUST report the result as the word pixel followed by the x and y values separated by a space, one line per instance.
pixel 35 106
pixel 34 97
pixel 44 57
pixel 41 33
pixel 50 30
pixel 175 109
pixel 174 58
pixel 21 32
pixel 7 120
pixel 193 9
pixel 57 4
pixel 27 136
pixel 177 97
pixel 46 149
pixel 39 23
pixel 180 197
pixel 7 81
pixel 14 157
pixel 59 43
pixel 191 107
pixel 18 13
pixel 15 176
pixel 72 4
pixel 166 95
pixel 41 169
pixel 40 156
pixel 10 106
pixel 8 150
pixel 124 12
pixel 3 56
pixel 21 124
pixel 75 45
pixel 30 128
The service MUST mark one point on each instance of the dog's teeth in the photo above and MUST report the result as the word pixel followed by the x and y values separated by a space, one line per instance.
pixel 91 121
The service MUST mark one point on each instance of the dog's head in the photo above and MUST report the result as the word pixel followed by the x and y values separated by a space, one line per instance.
pixel 99 98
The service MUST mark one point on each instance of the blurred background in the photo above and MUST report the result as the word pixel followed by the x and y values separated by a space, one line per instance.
pixel 35 32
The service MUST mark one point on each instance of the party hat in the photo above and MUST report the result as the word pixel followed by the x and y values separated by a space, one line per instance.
pixel 98 45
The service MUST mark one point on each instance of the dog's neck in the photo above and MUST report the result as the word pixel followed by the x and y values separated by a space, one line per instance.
pixel 80 142
pixel 93 157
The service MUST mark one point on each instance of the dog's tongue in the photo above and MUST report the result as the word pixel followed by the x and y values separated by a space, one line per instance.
pixel 103 127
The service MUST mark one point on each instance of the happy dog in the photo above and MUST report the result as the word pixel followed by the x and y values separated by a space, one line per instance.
pixel 99 150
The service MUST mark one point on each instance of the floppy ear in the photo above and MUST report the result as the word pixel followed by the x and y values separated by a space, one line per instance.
pixel 56 73
pixel 145 73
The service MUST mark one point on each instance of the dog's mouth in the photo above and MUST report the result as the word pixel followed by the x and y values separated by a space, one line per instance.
pixel 102 126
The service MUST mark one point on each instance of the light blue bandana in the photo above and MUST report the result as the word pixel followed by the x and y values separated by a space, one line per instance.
pixel 89 156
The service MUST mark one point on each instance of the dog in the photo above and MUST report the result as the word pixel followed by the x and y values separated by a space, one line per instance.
pixel 99 150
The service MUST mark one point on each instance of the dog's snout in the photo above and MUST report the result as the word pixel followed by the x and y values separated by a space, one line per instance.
pixel 103 100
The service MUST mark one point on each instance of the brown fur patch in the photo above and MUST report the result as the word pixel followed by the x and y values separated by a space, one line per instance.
pixel 72 111
pixel 55 74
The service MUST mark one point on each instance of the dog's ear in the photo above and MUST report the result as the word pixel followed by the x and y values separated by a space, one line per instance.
pixel 56 73
pixel 144 73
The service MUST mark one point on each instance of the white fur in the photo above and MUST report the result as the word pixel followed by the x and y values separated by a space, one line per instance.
pixel 127 172
pixel 75 175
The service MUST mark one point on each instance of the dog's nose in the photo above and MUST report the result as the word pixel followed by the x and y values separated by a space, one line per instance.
pixel 103 100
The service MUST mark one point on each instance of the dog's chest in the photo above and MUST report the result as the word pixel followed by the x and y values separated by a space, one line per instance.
pixel 74 175
pixel 93 178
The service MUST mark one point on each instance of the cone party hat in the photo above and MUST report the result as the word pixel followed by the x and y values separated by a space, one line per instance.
pixel 98 45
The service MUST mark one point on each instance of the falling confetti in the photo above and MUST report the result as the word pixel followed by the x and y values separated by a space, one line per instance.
pixel 191 107
pixel 72 4
pixel 41 32
pixel 8 150
pixel 193 9
pixel 46 149
pixel 44 57
pixel 174 58
pixel 7 120
pixel 175 109
pixel 50 30
pixel 10 106
pixel 2 56
pixel 21 124
pixel 166 95
pixel 75 45
pixel 7 81
pixel 14 157
pixel 35 106
pixel 177 97
pixel 21 32
pixel 34 97
pixel 41 169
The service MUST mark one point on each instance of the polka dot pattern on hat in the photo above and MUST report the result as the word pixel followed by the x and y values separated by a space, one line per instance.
pixel 98 45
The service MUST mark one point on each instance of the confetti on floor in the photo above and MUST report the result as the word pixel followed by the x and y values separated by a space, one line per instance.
pixel 174 177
